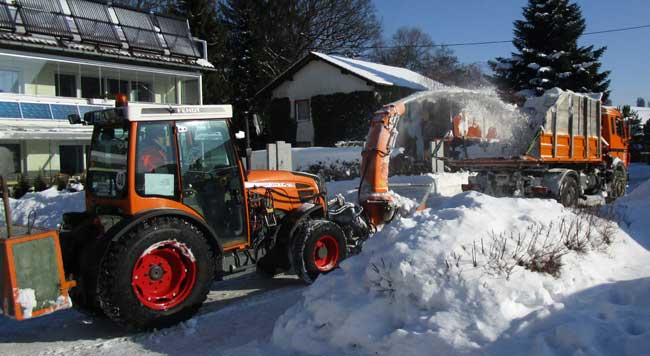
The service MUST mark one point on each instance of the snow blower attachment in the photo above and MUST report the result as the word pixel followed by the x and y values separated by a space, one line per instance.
pixel 31 269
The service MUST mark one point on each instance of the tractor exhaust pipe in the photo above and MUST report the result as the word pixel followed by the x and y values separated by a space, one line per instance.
pixel 7 207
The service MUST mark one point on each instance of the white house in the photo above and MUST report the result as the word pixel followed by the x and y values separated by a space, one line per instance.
pixel 322 74
pixel 643 114
pixel 62 57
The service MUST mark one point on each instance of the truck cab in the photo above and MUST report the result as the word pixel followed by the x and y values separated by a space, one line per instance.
pixel 616 134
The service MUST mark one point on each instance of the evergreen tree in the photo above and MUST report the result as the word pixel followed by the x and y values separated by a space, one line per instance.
pixel 640 102
pixel 548 54
pixel 241 20
pixel 204 24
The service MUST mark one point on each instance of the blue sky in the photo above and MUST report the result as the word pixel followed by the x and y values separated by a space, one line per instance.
pixel 453 21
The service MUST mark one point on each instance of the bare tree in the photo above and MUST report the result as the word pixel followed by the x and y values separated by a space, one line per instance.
pixel 414 49
pixel 409 48
pixel 292 28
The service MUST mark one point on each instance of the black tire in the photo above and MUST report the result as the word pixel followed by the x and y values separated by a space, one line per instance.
pixel 569 192
pixel 275 261
pixel 303 248
pixel 619 185
pixel 84 294
pixel 117 283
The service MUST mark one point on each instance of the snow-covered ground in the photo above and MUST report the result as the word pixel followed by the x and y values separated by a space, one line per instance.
pixel 414 290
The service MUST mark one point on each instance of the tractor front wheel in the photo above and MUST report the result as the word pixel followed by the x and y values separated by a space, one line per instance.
pixel 157 275
pixel 318 247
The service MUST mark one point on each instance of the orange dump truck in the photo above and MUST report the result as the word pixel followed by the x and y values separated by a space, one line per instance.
pixel 578 148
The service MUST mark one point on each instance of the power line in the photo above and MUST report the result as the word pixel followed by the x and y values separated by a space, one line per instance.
pixel 621 29
pixel 617 30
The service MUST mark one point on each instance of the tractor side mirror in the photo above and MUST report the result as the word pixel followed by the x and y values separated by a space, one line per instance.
pixel 240 135
pixel 74 119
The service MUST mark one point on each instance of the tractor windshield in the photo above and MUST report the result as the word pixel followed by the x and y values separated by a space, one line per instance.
pixel 108 161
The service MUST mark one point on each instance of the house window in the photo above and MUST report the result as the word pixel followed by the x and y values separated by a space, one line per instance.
pixel 115 86
pixel 65 85
pixel 90 88
pixel 142 91
pixel 302 110
pixel 8 81
pixel 10 156
pixel 71 159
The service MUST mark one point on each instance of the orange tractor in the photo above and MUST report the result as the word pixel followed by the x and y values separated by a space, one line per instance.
pixel 169 209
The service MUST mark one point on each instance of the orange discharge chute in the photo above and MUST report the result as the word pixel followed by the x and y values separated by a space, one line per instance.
pixel 373 187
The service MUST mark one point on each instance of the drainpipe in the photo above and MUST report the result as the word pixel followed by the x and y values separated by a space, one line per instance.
pixel 7 207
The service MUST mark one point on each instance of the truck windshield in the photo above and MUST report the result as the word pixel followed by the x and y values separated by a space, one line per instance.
pixel 108 161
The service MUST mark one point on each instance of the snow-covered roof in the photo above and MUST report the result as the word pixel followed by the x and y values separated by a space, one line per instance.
pixel 375 73
pixel 381 74
pixel 642 112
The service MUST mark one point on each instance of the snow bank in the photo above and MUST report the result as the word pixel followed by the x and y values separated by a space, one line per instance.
pixel 445 184
pixel 609 319
pixel 47 206
pixel 415 288
pixel 634 209
pixel 345 161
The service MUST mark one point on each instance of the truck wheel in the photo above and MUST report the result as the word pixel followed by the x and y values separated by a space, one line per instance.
pixel 156 275
pixel 318 247
pixel 568 192
pixel 619 185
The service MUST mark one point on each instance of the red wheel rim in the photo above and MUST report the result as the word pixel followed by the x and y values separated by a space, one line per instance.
pixel 164 275
pixel 326 253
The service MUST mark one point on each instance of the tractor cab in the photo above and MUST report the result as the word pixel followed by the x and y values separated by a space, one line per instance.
pixel 179 158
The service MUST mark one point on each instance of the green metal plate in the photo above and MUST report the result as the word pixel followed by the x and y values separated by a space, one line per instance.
pixel 36 268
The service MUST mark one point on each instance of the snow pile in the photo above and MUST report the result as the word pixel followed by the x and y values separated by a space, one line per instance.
pixel 432 282
pixel 45 208
pixel 26 298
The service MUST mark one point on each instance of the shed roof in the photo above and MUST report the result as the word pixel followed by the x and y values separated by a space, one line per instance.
pixel 374 73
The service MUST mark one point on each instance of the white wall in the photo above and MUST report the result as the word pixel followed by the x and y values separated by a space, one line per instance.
pixel 316 78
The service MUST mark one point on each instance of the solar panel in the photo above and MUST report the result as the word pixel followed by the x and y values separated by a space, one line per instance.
pixel 178 37
pixel 61 112
pixel 45 17
pixel 35 111
pixel 9 110
pixel 93 22
pixel 7 22
pixel 138 30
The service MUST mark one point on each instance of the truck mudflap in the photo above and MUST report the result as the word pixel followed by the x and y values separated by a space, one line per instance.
pixel 32 279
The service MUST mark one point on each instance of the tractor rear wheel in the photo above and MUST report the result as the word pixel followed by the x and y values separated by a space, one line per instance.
pixel 318 247
pixel 157 275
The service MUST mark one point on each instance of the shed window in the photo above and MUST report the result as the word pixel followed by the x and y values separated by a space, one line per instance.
pixel 302 110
